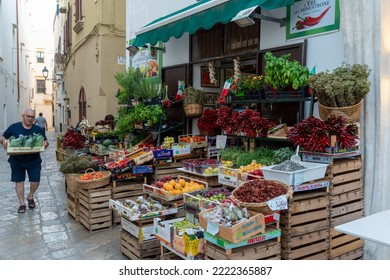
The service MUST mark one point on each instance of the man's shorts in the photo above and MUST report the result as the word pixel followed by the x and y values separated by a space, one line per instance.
pixel 19 168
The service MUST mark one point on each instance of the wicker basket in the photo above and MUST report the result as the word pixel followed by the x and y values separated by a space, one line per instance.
pixel 72 185
pixel 193 110
pixel 96 183
pixel 260 207
pixel 350 113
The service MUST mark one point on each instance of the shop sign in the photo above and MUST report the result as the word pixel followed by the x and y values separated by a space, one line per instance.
pixel 312 18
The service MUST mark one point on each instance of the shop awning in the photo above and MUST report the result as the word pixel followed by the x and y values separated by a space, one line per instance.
pixel 203 14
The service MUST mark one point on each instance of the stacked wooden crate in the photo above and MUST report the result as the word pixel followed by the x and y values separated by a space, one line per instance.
pixel 305 224
pixel 165 169
pixel 346 199
pixel 95 213
pixel 137 240
pixel 72 193
pixel 129 189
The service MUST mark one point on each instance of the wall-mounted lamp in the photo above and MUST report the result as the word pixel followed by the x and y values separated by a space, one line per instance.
pixel 45 74
pixel 134 49
pixel 245 18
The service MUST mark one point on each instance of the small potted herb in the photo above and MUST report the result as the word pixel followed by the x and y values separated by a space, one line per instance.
pixel 193 100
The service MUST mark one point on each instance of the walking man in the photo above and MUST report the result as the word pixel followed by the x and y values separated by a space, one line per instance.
pixel 30 163
pixel 41 121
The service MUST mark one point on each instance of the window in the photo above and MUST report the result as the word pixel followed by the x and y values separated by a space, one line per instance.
pixel 40 57
pixel 41 85
pixel 78 14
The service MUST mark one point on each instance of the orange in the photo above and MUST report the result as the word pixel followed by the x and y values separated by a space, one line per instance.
pixel 182 182
pixel 172 182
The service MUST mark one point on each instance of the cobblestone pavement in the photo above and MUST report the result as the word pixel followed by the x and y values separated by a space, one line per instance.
pixel 48 232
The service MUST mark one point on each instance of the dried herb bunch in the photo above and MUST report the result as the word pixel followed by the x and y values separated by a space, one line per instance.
pixel 344 86
pixel 75 164
pixel 192 95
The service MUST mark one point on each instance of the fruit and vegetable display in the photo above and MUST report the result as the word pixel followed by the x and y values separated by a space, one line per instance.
pixel 169 186
pixel 34 140
pixel 143 205
pixel 206 199
pixel 168 142
pixel 259 190
pixel 95 175
pixel 206 167
pixel 119 165
pixel 192 138
pixel 227 215
pixel 184 224
pixel 252 168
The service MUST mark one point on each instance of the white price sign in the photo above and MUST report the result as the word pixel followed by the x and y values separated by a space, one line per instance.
pixel 221 141
pixel 278 203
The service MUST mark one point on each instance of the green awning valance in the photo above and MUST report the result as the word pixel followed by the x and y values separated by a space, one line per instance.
pixel 203 14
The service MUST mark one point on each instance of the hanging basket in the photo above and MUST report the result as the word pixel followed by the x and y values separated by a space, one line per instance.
pixel 193 110
pixel 350 113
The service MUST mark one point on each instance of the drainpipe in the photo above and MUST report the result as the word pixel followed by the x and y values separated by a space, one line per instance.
pixel 17 49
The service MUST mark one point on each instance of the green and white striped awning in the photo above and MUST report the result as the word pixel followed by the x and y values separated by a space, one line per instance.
pixel 203 14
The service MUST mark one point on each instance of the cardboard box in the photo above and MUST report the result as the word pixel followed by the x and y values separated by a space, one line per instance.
pixel 188 244
pixel 142 233
pixel 185 150
pixel 24 150
pixel 226 179
pixel 164 230
pixel 237 233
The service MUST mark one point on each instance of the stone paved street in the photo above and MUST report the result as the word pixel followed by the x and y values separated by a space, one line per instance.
pixel 48 232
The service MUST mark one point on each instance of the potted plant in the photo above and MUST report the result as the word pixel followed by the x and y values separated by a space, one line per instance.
pixel 282 74
pixel 193 102
pixel 130 84
pixel 341 91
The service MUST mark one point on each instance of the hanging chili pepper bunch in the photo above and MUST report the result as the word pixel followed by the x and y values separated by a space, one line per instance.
pixel 314 134
pixel 73 139
pixel 253 125
pixel 224 116
pixel 207 121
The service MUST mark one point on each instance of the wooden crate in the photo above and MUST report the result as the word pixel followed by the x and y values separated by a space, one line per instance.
pixel 95 220
pixel 345 175
pixel 60 154
pixel 170 256
pixel 95 199
pixel 307 212
pixel 342 245
pixel 135 250
pixel 125 189
pixel 73 206
pixel 166 169
pixel 267 250
pixel 309 246
pixel 357 254
pixel 346 207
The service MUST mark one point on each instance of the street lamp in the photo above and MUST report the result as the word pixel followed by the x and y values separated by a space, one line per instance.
pixel 45 74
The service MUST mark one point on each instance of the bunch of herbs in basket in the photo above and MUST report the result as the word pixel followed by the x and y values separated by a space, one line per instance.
pixel 192 95
pixel 345 86
pixel 73 164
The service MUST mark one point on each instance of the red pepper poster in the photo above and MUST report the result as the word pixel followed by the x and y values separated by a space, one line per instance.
pixel 312 18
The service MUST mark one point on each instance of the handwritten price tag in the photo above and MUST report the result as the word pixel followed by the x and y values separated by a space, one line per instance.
pixel 278 203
